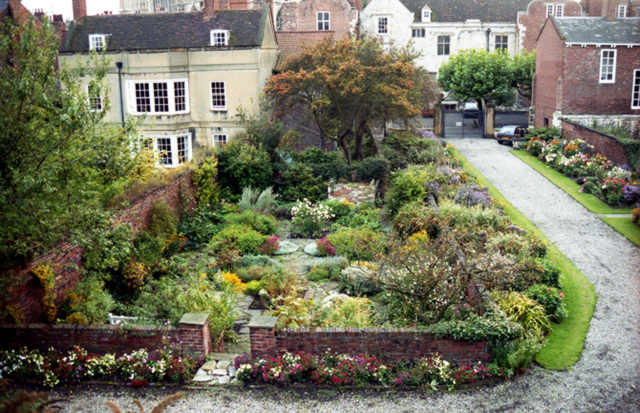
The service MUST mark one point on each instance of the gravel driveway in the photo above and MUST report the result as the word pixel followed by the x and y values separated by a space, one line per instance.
pixel 605 379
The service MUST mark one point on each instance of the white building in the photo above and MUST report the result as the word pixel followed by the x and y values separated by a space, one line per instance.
pixel 159 6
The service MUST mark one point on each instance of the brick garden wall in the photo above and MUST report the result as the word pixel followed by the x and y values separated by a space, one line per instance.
pixel 66 258
pixel 603 143
pixel 355 193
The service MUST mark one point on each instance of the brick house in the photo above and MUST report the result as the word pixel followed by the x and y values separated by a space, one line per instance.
pixel 531 21
pixel 339 16
pixel 588 69
pixel 185 75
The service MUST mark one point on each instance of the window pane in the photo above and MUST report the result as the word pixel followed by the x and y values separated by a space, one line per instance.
pixel 219 140
pixel 95 99
pixel 382 25
pixel 218 99
pixel 164 147
pixel 635 102
pixel 143 98
pixel 180 96
pixel 183 149
pixel 502 42
pixel 443 45
pixel 161 97
pixel 323 20
pixel 559 10
pixel 607 66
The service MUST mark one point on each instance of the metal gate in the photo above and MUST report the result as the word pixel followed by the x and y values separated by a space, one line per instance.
pixel 457 125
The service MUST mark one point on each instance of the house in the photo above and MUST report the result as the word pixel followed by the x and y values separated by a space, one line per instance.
pixel 531 21
pixel 588 69
pixel 185 76
pixel 339 16
pixel 440 28
pixel 15 10
pixel 159 6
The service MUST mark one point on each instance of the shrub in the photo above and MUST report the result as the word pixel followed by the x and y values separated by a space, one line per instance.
pixel 472 195
pixel 257 260
pixel 200 227
pixel 88 303
pixel 299 182
pixel 147 248
pixel 250 273
pixel 372 168
pixel 254 287
pixel 344 311
pixel 590 186
pixel 631 194
pixel 263 202
pixel 412 184
pixel 242 165
pixel 271 246
pixel 207 192
pixel 550 298
pixel 47 277
pixel 161 220
pixel 358 243
pixel 635 213
pixel 523 310
pixel 308 219
pixel 264 224
pixel 364 216
pixel 325 248
pixel 535 145
pixel 280 282
pixel 471 217
pixel 613 190
pixel 242 238
pixel 323 272
pixel 340 209
pixel 110 250
pixel 415 217
pixel 550 273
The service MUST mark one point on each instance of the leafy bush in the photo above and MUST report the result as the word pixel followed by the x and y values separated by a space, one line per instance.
pixel 271 246
pixel 635 213
pixel 147 248
pixel 242 238
pixel 325 248
pixel 263 202
pixel 254 287
pixel 524 311
pixel 250 273
pixel 280 282
pixel 613 190
pixel 88 303
pixel 207 192
pixel 257 260
pixel 323 272
pixel 472 195
pixel 412 184
pixel 591 186
pixel 472 217
pixel 299 182
pixel 631 194
pixel 372 168
pixel 161 220
pixel 343 311
pixel 550 273
pixel 358 243
pixel 200 227
pixel 340 209
pixel 415 217
pixel 550 298
pixel 110 250
pixel 363 216
pixel 535 145
pixel 360 278
pixel 242 165
pixel 308 219
pixel 264 224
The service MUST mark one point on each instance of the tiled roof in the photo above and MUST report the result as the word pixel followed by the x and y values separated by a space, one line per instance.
pixel 597 30
pixel 4 4
pixel 291 43
pixel 463 10
pixel 166 30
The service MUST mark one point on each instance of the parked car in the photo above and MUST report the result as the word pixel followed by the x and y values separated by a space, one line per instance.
pixel 471 110
pixel 508 133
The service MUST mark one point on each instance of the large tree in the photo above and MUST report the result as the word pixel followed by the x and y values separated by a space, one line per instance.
pixel 482 75
pixel 347 84
pixel 58 161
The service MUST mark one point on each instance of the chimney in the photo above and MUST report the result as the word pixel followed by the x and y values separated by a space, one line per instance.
pixel 79 10
pixel 210 8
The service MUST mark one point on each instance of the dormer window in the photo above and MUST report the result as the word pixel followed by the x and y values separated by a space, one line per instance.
pixel 219 37
pixel 426 15
pixel 97 42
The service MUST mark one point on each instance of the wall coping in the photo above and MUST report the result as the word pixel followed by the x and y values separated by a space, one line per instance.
pixel 572 122
pixel 194 319
pixel 262 321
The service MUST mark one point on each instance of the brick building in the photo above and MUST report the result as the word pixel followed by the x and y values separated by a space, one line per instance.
pixel 531 21
pixel 588 70
pixel 338 16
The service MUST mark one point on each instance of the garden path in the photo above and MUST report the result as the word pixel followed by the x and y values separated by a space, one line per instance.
pixel 605 379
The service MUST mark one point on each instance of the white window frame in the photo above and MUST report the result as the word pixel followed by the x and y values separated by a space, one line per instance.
pixel 418 33
pixel 172 99
pixel 443 43
pixel 172 158
pixel 559 10
pixel 621 12
pixel 219 139
pixel 382 25
pixel 426 16
pixel 605 64
pixel 323 20
pixel 95 101
pixel 635 90
pixel 97 42
pixel 219 38
pixel 504 45
pixel 550 9
pixel 215 105
pixel 555 9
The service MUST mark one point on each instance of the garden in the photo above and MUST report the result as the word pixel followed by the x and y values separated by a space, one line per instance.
pixel 433 251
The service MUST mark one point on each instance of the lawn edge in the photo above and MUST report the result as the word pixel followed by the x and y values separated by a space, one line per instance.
pixel 565 183
pixel 621 225
pixel 563 346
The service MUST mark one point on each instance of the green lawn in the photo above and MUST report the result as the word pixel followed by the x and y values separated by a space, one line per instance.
pixel 565 183
pixel 625 227
pixel 563 345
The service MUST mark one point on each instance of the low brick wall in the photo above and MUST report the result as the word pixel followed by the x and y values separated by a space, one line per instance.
pixel 602 143
pixel 397 343
pixel 192 334
pixel 354 193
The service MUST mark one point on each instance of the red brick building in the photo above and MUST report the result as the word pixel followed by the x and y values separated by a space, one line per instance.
pixel 531 21
pixel 588 69
pixel 339 16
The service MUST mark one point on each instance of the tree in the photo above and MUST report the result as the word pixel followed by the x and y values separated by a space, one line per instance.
pixel 478 74
pixel 59 162
pixel 348 84
pixel 524 68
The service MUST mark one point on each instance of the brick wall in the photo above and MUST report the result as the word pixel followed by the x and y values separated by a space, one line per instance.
pixel 548 78
pixel 603 143
pixel 342 16
pixel 103 338
pixel 66 258
pixel 396 343
pixel 530 23
pixel 355 193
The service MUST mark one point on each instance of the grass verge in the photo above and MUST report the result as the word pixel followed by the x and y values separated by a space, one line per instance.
pixel 625 227
pixel 563 345
pixel 565 183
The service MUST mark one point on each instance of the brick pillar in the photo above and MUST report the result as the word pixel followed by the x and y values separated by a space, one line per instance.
pixel 438 120
pixel 489 120
pixel 193 331
pixel 262 331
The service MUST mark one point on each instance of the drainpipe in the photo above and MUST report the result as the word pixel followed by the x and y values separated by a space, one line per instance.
pixel 119 66
pixel 488 39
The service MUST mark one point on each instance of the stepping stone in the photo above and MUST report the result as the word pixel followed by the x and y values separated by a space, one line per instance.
pixel 312 250
pixel 244 330
pixel 202 377
pixel 209 365
pixel 219 372
pixel 286 247
pixel 236 382
pixel 224 379
pixel 232 371
pixel 223 364
pixel 224 356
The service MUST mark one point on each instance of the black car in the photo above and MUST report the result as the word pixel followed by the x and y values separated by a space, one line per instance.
pixel 471 110
pixel 506 134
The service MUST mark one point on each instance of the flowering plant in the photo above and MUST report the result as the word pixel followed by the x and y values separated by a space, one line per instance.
pixel 325 248
pixel 613 190
pixel 310 219
pixel 270 246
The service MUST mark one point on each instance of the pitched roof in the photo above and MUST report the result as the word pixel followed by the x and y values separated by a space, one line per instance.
pixel 463 10
pixel 291 43
pixel 597 30
pixel 166 30
pixel 4 4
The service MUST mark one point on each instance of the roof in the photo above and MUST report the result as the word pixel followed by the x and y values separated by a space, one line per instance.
pixel 4 4
pixel 597 30
pixel 291 43
pixel 166 30
pixel 445 11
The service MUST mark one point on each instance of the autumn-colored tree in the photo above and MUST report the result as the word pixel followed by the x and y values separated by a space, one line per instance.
pixel 349 84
